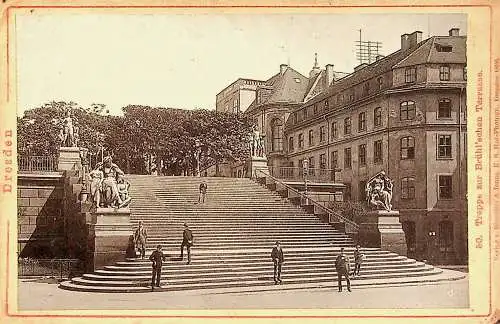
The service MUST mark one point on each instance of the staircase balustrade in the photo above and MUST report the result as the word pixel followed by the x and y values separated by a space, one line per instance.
pixel 333 217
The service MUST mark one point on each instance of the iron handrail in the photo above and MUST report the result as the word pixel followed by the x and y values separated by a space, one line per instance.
pixel 352 226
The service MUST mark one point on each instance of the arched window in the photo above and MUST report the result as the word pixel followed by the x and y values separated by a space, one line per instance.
pixel 407 110
pixel 276 135
pixel 408 188
pixel 444 109
pixel 407 148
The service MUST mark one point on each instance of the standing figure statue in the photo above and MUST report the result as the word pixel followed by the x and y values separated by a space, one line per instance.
pixel 379 191
pixel 113 189
pixel 255 141
pixel 67 132
pixel 260 148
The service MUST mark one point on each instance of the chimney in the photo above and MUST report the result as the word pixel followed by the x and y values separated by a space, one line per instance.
pixel 329 74
pixel 454 32
pixel 283 68
pixel 404 42
pixel 415 38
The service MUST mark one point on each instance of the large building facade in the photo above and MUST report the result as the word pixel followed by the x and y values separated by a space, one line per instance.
pixel 405 114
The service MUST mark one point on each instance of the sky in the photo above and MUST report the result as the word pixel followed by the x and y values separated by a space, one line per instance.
pixel 182 60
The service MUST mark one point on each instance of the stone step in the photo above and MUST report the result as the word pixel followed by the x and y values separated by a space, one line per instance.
pixel 243 266
pixel 228 281
pixel 234 273
pixel 260 285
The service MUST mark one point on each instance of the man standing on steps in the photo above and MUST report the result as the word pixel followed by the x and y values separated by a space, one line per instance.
pixel 277 257
pixel 358 259
pixel 203 192
pixel 157 258
pixel 187 241
pixel 342 267
pixel 140 237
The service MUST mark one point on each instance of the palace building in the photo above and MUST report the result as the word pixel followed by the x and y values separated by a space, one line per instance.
pixel 405 114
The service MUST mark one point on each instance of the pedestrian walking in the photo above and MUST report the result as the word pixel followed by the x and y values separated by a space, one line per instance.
pixel 187 241
pixel 157 258
pixel 358 259
pixel 342 267
pixel 203 192
pixel 278 259
pixel 140 238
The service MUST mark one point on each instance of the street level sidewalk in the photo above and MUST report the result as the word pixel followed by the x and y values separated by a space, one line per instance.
pixel 445 294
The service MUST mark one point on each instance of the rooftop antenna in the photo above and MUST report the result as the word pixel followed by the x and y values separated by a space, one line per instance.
pixel 367 51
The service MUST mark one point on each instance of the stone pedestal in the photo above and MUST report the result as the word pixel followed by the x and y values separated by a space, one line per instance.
pixel 108 237
pixel 257 163
pixel 383 229
pixel 69 159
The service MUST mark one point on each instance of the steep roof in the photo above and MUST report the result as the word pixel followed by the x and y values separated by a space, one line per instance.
pixel 429 53
pixel 289 87
pixel 372 70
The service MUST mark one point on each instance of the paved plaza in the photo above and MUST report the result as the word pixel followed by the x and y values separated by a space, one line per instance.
pixel 40 295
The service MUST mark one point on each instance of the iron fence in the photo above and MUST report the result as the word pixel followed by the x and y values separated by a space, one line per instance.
pixel 38 163
pixel 57 268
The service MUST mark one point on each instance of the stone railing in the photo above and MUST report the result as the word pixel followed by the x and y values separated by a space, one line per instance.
pixel 38 163
pixel 297 174
pixel 333 217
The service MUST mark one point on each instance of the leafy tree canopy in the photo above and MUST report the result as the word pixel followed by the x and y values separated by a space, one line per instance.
pixel 144 138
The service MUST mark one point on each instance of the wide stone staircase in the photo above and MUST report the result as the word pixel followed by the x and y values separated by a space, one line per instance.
pixel 234 231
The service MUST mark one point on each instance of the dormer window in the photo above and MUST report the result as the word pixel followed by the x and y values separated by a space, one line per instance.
pixel 444 48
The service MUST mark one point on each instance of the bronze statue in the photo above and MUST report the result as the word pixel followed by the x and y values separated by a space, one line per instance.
pixel 379 191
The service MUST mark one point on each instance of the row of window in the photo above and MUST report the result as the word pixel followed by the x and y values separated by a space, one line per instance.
pixel 444 73
pixel 407 152
pixel 346 96
pixel 407 111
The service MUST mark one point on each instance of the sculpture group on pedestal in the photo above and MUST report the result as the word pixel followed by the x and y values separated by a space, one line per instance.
pixel 256 143
pixel 379 191
pixel 68 132
pixel 108 188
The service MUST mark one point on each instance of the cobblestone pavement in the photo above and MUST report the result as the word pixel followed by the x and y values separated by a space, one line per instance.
pixel 40 295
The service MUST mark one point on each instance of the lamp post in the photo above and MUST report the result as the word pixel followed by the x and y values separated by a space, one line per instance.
pixel 430 249
pixel 305 170
pixel 197 145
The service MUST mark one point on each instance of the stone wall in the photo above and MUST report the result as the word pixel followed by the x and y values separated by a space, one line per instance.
pixel 40 215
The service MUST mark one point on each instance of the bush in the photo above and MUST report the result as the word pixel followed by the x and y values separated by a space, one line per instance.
pixel 352 210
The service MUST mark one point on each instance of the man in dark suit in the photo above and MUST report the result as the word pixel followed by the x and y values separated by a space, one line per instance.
pixel 342 267
pixel 157 258
pixel 140 238
pixel 203 192
pixel 277 257
pixel 358 259
pixel 187 241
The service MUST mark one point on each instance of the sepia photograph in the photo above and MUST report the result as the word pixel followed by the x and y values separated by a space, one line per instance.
pixel 187 159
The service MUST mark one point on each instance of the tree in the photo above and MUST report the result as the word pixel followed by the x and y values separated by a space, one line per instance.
pixel 143 138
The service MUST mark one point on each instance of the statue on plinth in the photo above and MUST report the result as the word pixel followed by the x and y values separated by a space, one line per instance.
pixel 379 192
pixel 256 143
pixel 67 131
pixel 108 187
